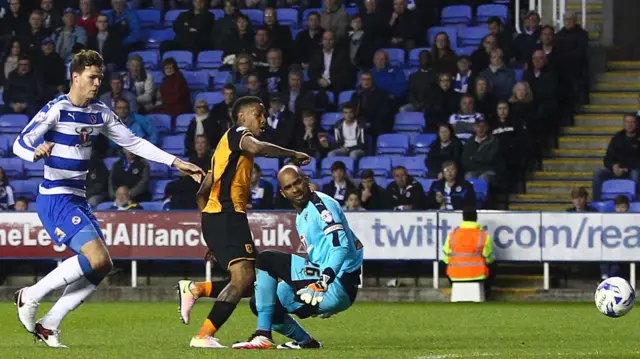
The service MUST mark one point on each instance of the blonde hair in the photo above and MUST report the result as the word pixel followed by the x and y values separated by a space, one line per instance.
pixel 528 97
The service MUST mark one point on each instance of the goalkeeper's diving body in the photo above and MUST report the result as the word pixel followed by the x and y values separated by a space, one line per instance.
pixel 324 284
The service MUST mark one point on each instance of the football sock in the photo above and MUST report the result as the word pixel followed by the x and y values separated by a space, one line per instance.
pixel 219 314
pixel 66 273
pixel 266 291
pixel 290 328
pixel 213 289
pixel 74 295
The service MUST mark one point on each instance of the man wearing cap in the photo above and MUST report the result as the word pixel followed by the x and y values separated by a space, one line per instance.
pixel 69 34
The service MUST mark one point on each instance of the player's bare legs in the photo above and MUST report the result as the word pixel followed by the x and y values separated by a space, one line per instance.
pixel 189 292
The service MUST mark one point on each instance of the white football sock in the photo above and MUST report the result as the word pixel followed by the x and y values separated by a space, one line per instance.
pixel 66 273
pixel 74 295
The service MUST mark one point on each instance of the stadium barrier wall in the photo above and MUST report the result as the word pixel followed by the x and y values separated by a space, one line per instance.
pixel 518 236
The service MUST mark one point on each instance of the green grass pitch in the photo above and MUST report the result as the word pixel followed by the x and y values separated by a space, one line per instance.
pixel 367 330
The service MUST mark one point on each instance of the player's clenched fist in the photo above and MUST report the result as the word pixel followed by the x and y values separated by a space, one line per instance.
pixel 302 159
pixel 313 293
pixel 43 150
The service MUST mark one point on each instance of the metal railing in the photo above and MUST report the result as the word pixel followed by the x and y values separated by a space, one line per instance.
pixel 558 9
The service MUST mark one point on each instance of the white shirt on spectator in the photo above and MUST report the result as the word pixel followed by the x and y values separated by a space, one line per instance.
pixel 350 134
pixel 327 65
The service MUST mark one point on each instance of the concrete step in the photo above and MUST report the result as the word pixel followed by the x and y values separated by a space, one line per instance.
pixel 610 109
pixel 616 87
pixel 540 207
pixel 578 153
pixel 594 7
pixel 562 188
pixel 607 120
pixel 571 165
pixel 584 142
pixel 541 198
pixel 563 175
pixel 623 65
pixel 594 35
pixel 514 281
pixel 590 130
pixel 619 76
pixel 613 98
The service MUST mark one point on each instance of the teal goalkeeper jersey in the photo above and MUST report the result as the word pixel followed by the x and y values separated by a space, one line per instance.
pixel 326 236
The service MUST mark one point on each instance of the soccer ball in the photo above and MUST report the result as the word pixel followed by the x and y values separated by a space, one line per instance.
pixel 615 297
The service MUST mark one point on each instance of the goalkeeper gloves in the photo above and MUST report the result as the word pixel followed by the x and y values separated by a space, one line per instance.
pixel 314 292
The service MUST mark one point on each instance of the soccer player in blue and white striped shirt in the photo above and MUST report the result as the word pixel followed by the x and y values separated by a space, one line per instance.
pixel 70 125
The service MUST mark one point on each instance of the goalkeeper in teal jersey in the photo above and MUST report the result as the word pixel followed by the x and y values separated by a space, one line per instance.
pixel 325 284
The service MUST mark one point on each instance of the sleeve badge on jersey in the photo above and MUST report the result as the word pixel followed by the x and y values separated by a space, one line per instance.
pixel 326 216
pixel 76 220
pixel 248 248
pixel 93 119
pixel 241 128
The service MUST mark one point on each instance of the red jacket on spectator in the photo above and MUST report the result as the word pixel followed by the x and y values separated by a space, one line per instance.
pixel 175 95
pixel 89 24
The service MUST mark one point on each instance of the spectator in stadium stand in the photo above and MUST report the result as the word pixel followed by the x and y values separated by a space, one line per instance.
pixel 330 68
pixel 255 88
pixel 225 26
pixel 193 30
pixel 22 204
pixel 404 27
pixel 6 192
pixel 525 42
pixel 445 60
pixel 202 153
pixel 335 18
pixel 51 19
pixel 69 34
pixel 340 184
pixel 261 45
pixel 97 181
pixel 452 192
pixel 464 120
pixel 221 113
pixel 481 57
pixel 309 40
pixel 622 204
pixel 107 43
pixel 133 172
pixel 443 102
pixel 280 35
pixel 14 22
pixel 406 194
pixel 174 91
pixel 500 79
pixel 503 37
pixel 23 90
pixel 239 75
pixel 372 196
pixel 353 202
pixel 261 191
pixel 275 75
pixel 465 75
pixel 376 23
pixel 298 96
pixel 180 194
pixel 280 126
pixel 481 157
pixel 240 40
pixel 202 124
pixel 139 81
pixel 447 147
pixel 87 17
pixel 308 138
pixel 544 87
pixel 118 92
pixel 123 201
pixel 485 101
pixel 622 159
pixel 373 106
pixel 421 83
pixel 31 36
pixel 361 45
pixel 349 135
pixel 513 142
pixel 579 197
pixel 548 48
pixel 52 70
pixel 11 59
pixel 126 23
pixel 390 78
pixel 574 42
pixel 140 125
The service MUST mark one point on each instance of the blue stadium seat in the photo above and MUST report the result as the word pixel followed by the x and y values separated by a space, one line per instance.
pixel 409 122
pixel 26 188
pixel 481 188
pixel 449 30
pixel 604 206
pixel 345 96
pixel 158 170
pixel 109 161
pixel 155 37
pixel 414 164
pixel 312 168
pixel 352 10
pixel 256 16
pixel 183 121
pixel 396 56
pixel 149 17
pixel 414 55
pixel 150 58
pixel 183 58
pixel 393 143
pixel 157 78
pixel 519 74
pixel 380 165
pixel 219 78
pixel 615 187
pixel 211 59
pixel 157 189
pixel 423 141
pixel 151 206
pixel 173 144
pixel 466 50
pixel 32 207
pixel 472 36
pixel 104 206
pixel 217 13
pixel 288 17
pixel 329 119
pixel 161 121
pixel 13 123
pixel 173 172
pixel 486 11
pixel 349 163
pixel 425 182
pixel 634 207
pixel 408 72
pixel 305 15
pixel 171 16
pixel 268 166
pixel 330 95
pixel 197 80
pixel 13 167
pixel 5 146
pixel 295 32
pixel 382 181
pixel 456 14
pixel 211 97
pixel 34 169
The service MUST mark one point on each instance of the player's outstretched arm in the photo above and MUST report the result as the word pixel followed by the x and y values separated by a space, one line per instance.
pixel 256 147
pixel 203 192
pixel 24 145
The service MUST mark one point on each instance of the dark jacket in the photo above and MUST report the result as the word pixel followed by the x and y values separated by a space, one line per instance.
pixel 97 178
pixel 340 72
pixel 379 199
pixel 461 195
pixel 305 45
pixel 330 189
pixel 262 196
pixel 202 22
pixel 363 58
pixel 413 194
pixel 501 82
pixel 373 106
pixel 130 207
pixel 135 176
pixel 339 134
pixel 483 156
pixel 25 88
pixel 587 208
pixel 438 155
pixel 623 150
pixel 421 84
pixel 211 130
pixel 110 49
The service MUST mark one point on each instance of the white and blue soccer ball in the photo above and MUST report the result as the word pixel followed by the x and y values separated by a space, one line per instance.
pixel 615 297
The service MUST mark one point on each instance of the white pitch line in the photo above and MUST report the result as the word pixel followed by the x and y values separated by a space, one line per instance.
pixel 479 354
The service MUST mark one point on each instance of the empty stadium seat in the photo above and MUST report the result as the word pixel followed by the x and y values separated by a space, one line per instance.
pixel 312 168
pixel 183 58
pixel 414 55
pixel 456 14
pixel 391 143
pixel 380 165
pixel 212 98
pixel 109 162
pixel 104 206
pixel 155 37
pixel 409 122
pixel 466 50
pixel 171 16
pixel 197 80
pixel 157 189
pixel 345 96
pixel 158 170
pixel 396 56
pixel 615 187
pixel 256 16
pixel 382 181
pixel 161 121
pixel 425 183
pixel 149 17
pixel 183 121
pixel 26 188
pixel 486 11
pixel 349 163
pixel 268 166
pixel 219 78
pixel 151 206
pixel 604 206
pixel 209 59
pixel 472 36
pixel 34 169
pixel 634 207
pixel 481 188
pixel 13 123
pixel 288 17
pixel 13 167
pixel 414 164
pixel 330 95
pixel 5 146
pixel 32 206
pixel 452 32
pixel 519 74
pixel 217 13
pixel 150 58
pixel 329 119
pixel 423 141
pixel 173 144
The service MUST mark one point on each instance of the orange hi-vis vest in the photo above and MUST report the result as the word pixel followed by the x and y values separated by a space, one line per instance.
pixel 465 260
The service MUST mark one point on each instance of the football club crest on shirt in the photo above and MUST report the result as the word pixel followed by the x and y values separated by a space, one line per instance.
pixel 76 220
pixel 84 133
pixel 248 248
pixel 60 234
pixel 93 119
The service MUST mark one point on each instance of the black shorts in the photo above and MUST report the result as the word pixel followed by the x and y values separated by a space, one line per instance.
pixel 228 236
